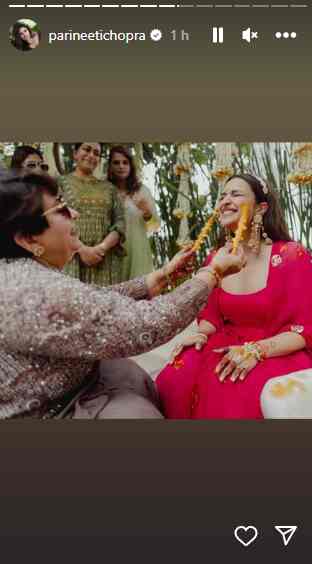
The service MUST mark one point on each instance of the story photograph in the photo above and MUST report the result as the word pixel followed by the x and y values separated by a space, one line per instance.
pixel 155 280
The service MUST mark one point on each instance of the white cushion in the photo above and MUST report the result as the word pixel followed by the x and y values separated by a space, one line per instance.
pixel 288 397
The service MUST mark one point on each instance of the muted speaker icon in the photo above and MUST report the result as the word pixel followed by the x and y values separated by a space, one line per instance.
pixel 249 35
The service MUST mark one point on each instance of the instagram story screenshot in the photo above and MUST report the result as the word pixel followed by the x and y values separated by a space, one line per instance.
pixel 155 281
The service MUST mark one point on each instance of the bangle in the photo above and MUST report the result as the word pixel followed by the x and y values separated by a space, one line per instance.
pixel 202 334
pixel 215 274
pixel 261 351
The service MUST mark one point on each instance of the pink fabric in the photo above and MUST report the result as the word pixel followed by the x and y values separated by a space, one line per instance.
pixel 190 387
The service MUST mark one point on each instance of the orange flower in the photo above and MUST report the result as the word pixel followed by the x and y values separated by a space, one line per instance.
pixel 224 172
pixel 301 177
pixel 280 389
pixel 179 213
pixel 178 363
pixel 306 148
pixel 179 169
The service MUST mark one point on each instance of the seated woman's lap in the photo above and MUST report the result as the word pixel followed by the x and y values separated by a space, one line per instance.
pixel 191 388
pixel 176 383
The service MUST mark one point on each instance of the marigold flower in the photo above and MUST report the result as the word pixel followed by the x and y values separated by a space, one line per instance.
pixel 205 231
pixel 300 177
pixel 223 172
pixel 179 213
pixel 242 226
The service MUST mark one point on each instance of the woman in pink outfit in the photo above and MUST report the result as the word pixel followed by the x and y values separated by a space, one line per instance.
pixel 257 323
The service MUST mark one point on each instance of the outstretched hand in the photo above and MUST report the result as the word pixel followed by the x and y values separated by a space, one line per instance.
pixel 198 340
pixel 228 263
pixel 182 263
pixel 234 364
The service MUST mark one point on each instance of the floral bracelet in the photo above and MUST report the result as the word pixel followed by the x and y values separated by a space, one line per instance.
pixel 253 348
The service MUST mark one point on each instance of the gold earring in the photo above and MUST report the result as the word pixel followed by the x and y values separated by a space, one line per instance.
pixel 228 235
pixel 38 250
pixel 267 240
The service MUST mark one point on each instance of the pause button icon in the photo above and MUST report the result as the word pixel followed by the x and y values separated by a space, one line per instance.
pixel 217 35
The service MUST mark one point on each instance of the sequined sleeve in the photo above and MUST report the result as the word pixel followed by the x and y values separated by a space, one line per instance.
pixel 52 315
pixel 136 288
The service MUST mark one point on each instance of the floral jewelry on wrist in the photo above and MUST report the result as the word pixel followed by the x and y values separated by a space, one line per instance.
pixel 255 350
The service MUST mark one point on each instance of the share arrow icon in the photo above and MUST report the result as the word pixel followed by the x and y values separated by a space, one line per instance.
pixel 287 532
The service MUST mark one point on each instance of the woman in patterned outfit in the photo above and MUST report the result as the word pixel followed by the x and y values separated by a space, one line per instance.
pixel 58 336
pixel 101 223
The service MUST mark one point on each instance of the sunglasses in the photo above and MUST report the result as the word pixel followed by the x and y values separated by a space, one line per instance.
pixel 61 208
pixel 32 165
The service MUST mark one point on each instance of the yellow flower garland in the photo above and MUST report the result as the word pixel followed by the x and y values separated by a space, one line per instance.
pixel 303 149
pixel 181 168
pixel 242 227
pixel 300 177
pixel 223 172
pixel 179 213
pixel 205 231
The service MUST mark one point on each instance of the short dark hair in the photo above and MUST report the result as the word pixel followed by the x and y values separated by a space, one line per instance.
pixel 21 209
pixel 21 153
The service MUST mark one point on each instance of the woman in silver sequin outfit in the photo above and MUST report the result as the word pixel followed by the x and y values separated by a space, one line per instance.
pixel 63 343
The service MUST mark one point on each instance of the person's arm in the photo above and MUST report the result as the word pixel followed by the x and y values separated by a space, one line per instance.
pixel 62 318
pixel 200 336
pixel 206 328
pixel 143 201
pixel 117 229
pixel 237 365
pixel 152 284
pixel 53 315
pixel 282 344
pixel 210 319
pixel 153 224
pixel 110 241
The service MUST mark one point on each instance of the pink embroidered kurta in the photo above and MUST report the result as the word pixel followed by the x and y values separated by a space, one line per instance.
pixel 190 387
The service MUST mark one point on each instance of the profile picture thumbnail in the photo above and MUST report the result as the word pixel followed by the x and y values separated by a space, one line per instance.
pixel 25 35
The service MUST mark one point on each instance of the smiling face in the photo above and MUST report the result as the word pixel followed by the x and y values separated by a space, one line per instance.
pixel 120 166
pixel 87 157
pixel 60 240
pixel 235 193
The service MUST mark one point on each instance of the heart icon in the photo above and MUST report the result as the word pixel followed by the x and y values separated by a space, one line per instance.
pixel 246 535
